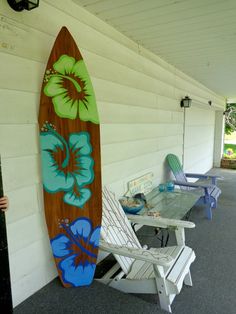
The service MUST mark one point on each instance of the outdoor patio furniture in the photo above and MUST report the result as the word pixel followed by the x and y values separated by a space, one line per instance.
pixel 210 191
pixel 141 270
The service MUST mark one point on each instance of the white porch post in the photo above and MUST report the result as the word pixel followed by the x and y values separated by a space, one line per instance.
pixel 219 138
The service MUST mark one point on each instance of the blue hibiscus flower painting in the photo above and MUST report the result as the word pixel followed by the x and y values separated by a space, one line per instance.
pixel 78 239
pixel 71 172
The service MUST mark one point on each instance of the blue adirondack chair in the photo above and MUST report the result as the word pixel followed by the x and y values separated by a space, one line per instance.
pixel 208 183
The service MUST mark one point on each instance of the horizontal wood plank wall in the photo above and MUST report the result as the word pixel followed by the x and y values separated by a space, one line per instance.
pixel 138 97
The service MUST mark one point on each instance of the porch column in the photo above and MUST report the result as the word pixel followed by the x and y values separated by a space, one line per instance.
pixel 219 138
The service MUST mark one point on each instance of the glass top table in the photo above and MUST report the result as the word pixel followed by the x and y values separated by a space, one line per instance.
pixel 172 205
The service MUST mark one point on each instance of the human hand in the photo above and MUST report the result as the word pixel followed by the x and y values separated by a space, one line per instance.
pixel 4 203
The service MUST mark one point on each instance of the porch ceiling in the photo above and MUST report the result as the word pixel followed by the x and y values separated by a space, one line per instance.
pixel 197 37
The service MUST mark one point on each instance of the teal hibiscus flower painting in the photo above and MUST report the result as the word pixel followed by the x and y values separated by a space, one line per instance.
pixel 70 87
pixel 78 239
pixel 67 165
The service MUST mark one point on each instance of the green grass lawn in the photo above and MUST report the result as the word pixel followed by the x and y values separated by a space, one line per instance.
pixel 230 149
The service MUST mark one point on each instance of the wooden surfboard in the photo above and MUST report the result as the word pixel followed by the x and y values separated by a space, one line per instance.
pixel 71 166
pixel 5 279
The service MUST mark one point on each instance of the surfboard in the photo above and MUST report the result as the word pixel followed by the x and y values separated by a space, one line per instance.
pixel 70 162
pixel 5 279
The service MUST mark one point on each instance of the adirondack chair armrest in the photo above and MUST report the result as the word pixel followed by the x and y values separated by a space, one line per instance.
pixel 202 176
pixel 193 185
pixel 137 253
pixel 160 222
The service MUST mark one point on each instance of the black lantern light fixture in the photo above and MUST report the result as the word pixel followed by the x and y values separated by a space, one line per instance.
pixel 20 5
pixel 185 102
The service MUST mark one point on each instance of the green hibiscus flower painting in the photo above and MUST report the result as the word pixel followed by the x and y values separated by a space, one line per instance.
pixel 70 88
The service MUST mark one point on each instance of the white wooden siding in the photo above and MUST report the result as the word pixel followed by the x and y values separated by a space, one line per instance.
pixel 138 97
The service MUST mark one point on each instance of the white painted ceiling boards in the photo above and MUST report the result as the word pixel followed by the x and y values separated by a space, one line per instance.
pixel 196 36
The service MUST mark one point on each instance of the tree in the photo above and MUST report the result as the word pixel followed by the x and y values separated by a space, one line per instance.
pixel 230 118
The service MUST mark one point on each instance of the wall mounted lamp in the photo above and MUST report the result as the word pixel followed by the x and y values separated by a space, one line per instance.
pixel 185 102
pixel 20 5
pixel 209 102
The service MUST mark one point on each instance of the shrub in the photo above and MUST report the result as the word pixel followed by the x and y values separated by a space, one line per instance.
pixel 230 154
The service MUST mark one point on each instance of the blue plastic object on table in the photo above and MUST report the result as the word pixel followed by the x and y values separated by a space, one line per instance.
pixel 170 186
pixel 162 187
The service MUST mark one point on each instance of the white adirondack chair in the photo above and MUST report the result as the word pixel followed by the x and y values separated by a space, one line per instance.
pixel 161 271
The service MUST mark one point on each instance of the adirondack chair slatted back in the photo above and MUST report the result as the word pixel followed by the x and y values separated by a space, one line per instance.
pixel 116 228
pixel 177 169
